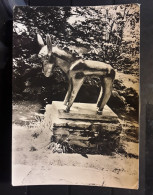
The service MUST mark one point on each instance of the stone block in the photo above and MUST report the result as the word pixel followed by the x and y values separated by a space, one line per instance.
pixel 82 129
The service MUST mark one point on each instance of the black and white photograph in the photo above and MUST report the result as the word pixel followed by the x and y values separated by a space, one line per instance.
pixel 76 96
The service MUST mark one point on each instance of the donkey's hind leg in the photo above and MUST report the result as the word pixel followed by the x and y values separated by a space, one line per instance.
pixel 67 97
pixel 107 84
pixel 76 85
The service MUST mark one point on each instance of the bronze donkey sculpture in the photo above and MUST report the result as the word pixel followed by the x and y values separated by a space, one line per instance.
pixel 76 70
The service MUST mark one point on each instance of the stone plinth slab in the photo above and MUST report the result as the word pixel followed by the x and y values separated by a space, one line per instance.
pixel 84 119
pixel 84 111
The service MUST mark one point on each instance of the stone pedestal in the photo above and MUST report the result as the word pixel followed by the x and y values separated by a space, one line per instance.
pixel 82 129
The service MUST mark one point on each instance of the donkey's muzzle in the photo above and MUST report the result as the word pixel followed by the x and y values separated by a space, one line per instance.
pixel 47 70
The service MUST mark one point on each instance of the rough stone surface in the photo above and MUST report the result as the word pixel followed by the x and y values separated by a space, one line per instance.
pixel 94 135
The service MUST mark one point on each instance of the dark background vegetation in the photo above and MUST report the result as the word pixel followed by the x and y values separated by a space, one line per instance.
pixel 146 81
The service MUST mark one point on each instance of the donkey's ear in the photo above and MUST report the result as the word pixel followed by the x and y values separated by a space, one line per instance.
pixel 40 40
pixel 49 43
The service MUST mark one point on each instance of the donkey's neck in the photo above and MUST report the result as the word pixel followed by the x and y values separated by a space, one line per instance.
pixel 63 59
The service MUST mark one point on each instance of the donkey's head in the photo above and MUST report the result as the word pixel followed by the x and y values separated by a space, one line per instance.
pixel 45 55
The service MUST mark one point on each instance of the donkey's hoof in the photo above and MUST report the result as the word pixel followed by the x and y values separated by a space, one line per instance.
pixel 67 110
pixel 99 112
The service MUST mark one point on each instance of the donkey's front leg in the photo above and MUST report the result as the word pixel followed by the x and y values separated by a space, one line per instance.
pixel 67 97
pixel 107 84
pixel 76 85
pixel 100 97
